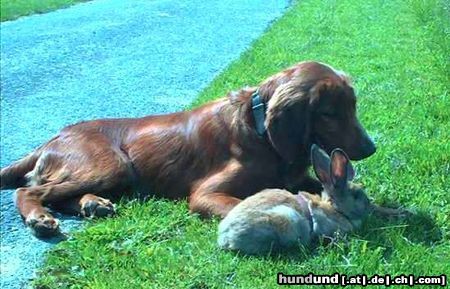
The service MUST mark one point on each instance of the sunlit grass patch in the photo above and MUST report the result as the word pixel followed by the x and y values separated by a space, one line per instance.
pixel 12 9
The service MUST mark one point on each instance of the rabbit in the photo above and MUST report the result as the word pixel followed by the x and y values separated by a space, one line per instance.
pixel 275 219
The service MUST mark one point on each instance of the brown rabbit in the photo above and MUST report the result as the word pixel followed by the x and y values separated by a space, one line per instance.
pixel 275 219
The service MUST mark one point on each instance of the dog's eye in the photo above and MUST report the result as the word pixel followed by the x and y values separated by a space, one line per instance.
pixel 328 114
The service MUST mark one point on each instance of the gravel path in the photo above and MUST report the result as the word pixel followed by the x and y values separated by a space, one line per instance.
pixel 107 58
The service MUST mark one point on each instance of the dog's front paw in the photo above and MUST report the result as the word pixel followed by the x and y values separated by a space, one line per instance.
pixel 98 208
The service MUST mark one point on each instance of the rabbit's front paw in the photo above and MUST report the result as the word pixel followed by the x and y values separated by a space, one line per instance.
pixel 390 212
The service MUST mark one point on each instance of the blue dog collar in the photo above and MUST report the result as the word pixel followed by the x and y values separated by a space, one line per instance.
pixel 259 113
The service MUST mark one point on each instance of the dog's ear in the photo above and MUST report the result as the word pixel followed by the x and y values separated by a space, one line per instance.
pixel 289 113
pixel 341 169
pixel 287 120
pixel 321 164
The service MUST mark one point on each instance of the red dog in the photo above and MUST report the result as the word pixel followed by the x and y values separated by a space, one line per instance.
pixel 216 155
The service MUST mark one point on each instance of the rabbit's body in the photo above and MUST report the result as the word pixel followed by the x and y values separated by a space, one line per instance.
pixel 279 222
pixel 275 219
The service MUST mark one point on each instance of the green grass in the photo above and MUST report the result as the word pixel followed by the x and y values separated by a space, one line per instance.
pixel 397 53
pixel 12 9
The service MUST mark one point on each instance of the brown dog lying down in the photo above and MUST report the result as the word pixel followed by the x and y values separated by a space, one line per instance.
pixel 215 155
pixel 275 219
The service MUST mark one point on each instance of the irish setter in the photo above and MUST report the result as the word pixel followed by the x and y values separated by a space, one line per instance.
pixel 216 155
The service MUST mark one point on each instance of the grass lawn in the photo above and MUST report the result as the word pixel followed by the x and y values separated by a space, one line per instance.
pixel 397 52
pixel 12 9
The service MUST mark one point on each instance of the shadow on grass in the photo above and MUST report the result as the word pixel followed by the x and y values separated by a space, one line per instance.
pixel 417 227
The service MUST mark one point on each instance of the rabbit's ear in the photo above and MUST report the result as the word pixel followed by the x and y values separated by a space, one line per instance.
pixel 341 168
pixel 321 164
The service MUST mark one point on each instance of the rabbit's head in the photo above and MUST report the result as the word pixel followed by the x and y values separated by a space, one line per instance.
pixel 335 174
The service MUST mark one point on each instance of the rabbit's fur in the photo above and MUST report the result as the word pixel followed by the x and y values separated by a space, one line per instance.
pixel 275 219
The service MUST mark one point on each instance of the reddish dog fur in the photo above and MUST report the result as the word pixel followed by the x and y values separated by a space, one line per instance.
pixel 212 154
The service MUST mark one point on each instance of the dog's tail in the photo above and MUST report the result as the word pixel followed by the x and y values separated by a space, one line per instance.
pixel 14 175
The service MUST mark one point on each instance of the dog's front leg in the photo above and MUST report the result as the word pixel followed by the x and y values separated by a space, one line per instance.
pixel 297 178
pixel 214 195
pixel 209 204
pixel 310 185
pixel 304 183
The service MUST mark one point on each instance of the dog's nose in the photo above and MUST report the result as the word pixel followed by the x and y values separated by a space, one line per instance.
pixel 364 150
pixel 368 149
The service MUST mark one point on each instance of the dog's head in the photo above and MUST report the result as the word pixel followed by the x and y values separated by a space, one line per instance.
pixel 313 103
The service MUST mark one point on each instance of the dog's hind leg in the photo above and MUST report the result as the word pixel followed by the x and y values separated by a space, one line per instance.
pixel 36 217
pixel 87 205
pixel 30 203
pixel 74 168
